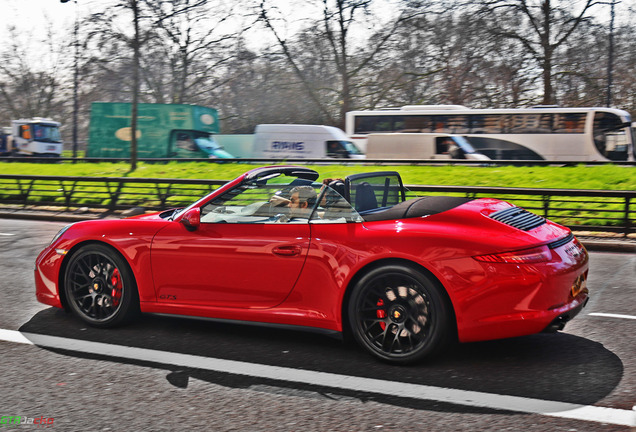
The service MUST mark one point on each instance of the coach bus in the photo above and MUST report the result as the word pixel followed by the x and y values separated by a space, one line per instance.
pixel 538 133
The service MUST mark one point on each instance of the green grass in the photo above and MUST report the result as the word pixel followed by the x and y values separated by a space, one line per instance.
pixel 604 177
pixel 569 211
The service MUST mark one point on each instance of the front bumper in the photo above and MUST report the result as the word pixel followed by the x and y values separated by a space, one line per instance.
pixel 47 269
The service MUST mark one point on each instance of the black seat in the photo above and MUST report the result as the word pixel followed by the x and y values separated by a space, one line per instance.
pixel 365 197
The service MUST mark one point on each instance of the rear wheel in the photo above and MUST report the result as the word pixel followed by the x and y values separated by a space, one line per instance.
pixel 100 287
pixel 398 314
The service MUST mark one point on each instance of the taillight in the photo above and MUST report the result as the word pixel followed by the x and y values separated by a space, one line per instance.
pixel 526 256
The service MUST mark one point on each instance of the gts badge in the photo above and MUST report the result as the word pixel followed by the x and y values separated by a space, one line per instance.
pixel 168 297
pixel 574 250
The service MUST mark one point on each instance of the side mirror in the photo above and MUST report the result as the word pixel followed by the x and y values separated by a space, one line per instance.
pixel 192 219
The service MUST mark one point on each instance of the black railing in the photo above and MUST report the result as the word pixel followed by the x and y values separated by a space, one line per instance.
pixel 597 210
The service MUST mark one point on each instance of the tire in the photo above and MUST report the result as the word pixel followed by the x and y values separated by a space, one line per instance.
pixel 100 288
pixel 398 314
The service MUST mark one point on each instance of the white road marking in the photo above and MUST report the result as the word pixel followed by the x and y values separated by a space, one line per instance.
pixel 609 315
pixel 6 234
pixel 413 391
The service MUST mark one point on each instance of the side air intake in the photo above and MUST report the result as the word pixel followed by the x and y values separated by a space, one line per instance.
pixel 518 218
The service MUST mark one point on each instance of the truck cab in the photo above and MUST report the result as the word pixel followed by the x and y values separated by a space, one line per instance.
pixel 194 144
pixel 35 137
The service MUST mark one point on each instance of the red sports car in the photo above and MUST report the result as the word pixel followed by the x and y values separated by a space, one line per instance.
pixel 276 246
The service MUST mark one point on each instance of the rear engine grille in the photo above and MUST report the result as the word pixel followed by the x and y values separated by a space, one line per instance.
pixel 518 218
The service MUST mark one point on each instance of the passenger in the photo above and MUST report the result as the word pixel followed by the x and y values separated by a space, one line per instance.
pixel 337 190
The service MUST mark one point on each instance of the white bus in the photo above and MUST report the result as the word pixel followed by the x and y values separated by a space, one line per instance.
pixel 539 133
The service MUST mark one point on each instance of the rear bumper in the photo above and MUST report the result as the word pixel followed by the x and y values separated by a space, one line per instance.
pixel 559 322
pixel 524 323
pixel 496 301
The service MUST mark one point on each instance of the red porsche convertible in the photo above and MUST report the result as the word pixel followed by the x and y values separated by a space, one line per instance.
pixel 275 246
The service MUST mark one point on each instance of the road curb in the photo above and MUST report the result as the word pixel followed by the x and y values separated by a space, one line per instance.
pixel 596 245
pixel 609 246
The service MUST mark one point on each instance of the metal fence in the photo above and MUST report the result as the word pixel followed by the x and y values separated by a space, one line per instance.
pixel 596 210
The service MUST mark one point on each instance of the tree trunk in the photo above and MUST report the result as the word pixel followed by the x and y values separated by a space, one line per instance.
pixel 135 88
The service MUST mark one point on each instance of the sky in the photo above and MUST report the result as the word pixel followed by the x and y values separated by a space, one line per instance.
pixel 37 13
pixel 33 17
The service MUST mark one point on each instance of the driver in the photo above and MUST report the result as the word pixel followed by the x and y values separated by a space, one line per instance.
pixel 301 202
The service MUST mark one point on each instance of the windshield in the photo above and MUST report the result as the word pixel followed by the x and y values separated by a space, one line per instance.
pixel 342 149
pixel 46 133
pixel 464 144
pixel 279 199
pixel 611 136
pixel 207 144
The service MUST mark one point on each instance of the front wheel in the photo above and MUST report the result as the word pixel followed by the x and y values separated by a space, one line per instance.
pixel 398 314
pixel 100 287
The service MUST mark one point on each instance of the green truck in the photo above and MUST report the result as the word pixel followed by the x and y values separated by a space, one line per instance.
pixel 163 131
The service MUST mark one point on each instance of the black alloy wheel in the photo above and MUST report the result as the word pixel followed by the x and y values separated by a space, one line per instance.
pixel 398 314
pixel 99 286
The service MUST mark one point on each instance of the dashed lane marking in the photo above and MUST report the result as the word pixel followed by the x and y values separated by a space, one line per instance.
pixel 323 379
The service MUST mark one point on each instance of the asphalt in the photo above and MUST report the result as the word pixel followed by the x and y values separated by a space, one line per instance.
pixel 593 241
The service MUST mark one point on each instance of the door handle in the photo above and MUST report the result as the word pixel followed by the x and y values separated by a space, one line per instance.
pixel 291 250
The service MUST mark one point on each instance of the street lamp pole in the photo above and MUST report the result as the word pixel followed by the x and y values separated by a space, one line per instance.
pixel 75 77
pixel 610 56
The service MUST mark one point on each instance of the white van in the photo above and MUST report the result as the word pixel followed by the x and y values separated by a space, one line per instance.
pixel 280 141
pixel 420 146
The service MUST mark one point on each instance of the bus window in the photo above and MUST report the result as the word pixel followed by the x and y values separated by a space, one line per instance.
pixel 487 123
pixel 382 123
pixel 417 123
pixel 457 124
pixel 530 123
pixel 569 123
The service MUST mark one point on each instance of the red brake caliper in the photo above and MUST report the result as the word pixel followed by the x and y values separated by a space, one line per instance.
pixel 115 281
pixel 381 313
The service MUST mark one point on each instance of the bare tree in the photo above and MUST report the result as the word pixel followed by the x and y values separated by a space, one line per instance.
pixel 150 21
pixel 104 30
pixel 28 88
pixel 541 26
pixel 337 19
pixel 189 38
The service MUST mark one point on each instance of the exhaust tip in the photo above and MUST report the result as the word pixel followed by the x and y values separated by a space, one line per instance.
pixel 557 325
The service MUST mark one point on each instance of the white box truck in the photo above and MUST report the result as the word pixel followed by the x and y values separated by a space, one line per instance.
pixel 420 146
pixel 281 141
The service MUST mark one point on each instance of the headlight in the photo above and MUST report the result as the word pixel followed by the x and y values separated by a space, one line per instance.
pixel 59 233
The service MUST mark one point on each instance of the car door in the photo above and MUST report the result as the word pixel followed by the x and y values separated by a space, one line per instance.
pixel 242 255
pixel 233 265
